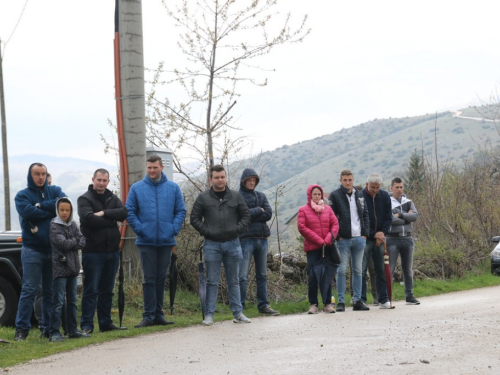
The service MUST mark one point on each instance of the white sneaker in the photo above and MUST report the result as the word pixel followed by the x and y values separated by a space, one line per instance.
pixel 241 319
pixel 208 321
pixel 386 305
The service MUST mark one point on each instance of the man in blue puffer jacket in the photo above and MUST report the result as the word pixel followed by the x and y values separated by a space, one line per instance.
pixel 156 212
pixel 36 206
pixel 254 240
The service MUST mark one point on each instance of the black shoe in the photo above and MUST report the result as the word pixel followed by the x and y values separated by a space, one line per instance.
pixel 412 301
pixel 144 323
pixel 44 334
pixel 360 306
pixel 160 321
pixel 340 307
pixel 20 335
pixel 111 327
pixel 78 334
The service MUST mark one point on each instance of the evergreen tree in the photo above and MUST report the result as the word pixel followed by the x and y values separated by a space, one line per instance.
pixel 415 173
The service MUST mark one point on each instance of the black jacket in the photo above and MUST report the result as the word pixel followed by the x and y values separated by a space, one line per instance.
pixel 341 209
pixel 220 220
pixel 101 232
pixel 380 211
pixel 260 210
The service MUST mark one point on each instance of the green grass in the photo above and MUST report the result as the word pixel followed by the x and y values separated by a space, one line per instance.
pixel 187 313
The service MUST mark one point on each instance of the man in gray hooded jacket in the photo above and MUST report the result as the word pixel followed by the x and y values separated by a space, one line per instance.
pixel 399 239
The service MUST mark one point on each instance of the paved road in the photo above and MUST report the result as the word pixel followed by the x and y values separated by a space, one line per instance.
pixel 457 333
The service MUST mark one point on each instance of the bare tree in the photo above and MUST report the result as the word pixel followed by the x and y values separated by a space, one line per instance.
pixel 219 40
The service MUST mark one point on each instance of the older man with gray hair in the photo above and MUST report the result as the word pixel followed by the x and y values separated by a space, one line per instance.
pixel 379 207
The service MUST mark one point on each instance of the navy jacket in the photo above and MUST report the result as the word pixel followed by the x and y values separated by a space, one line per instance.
pixel 156 211
pixel 342 209
pixel 39 217
pixel 260 210
pixel 380 212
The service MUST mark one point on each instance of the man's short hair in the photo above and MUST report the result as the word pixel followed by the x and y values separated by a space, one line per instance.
pixel 216 168
pixel 154 158
pixel 374 178
pixel 345 172
pixel 101 171
pixel 396 180
pixel 38 165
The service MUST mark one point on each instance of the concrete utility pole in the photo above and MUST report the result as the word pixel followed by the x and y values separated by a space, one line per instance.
pixel 6 184
pixel 133 101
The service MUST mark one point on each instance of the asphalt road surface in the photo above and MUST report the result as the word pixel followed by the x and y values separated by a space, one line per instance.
pixel 457 333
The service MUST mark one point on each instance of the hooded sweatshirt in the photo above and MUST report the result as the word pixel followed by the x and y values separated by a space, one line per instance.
pixel 36 208
pixel 260 210
pixel 66 240
pixel 316 227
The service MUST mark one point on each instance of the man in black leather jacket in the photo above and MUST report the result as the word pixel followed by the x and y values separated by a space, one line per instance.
pixel 221 215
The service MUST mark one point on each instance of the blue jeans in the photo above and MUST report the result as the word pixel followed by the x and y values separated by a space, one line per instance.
pixel 217 253
pixel 377 254
pixel 256 247
pixel 356 247
pixel 36 266
pixel 63 287
pixel 99 271
pixel 403 246
pixel 154 261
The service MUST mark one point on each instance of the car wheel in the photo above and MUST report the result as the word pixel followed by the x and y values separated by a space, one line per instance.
pixel 9 300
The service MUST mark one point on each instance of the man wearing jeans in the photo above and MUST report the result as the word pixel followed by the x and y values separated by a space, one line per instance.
pixel 349 206
pixel 221 216
pixel 399 239
pixel 156 212
pixel 254 240
pixel 100 211
pixel 380 213
pixel 36 206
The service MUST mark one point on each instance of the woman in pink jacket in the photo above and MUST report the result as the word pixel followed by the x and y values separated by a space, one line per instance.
pixel 317 222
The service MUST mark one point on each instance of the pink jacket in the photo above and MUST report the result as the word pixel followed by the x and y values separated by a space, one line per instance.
pixel 316 227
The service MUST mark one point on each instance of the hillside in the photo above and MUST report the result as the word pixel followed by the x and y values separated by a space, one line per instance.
pixel 381 145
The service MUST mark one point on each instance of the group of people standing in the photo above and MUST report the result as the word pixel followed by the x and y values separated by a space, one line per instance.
pixel 359 222
pixel 233 225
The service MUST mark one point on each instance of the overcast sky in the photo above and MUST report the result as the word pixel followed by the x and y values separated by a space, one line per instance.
pixel 362 60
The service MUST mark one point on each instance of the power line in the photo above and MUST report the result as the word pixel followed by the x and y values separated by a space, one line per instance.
pixel 15 28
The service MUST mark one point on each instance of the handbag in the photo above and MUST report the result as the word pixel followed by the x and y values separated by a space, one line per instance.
pixel 334 251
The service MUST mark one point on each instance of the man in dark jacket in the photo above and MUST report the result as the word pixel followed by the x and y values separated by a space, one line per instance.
pixel 36 206
pixel 100 211
pixel 156 212
pixel 380 213
pixel 221 216
pixel 349 206
pixel 254 240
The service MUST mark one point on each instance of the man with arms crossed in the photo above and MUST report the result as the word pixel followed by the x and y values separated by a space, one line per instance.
pixel 36 206
pixel 399 239
pixel 254 240
pixel 349 206
pixel 221 216
pixel 100 211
